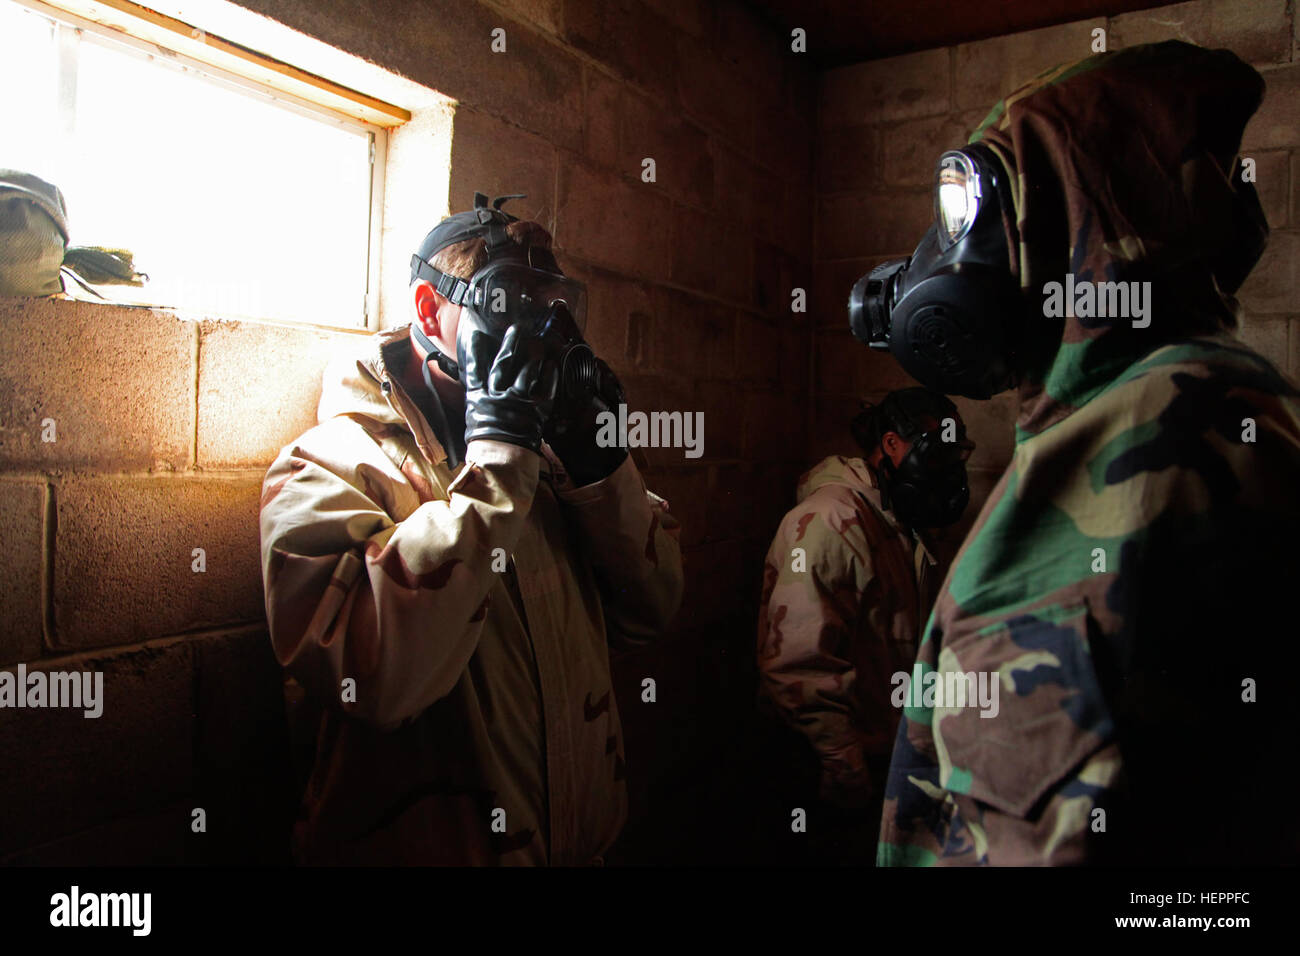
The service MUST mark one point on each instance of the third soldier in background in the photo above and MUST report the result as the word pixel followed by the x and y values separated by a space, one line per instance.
pixel 847 585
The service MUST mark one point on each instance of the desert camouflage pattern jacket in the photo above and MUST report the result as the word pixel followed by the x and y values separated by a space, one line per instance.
pixel 845 592
pixel 454 626
pixel 1130 581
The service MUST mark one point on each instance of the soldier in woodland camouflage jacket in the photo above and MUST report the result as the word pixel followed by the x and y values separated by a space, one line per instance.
pixel 1131 579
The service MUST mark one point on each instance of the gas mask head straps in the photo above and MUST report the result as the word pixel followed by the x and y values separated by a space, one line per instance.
pixel 482 222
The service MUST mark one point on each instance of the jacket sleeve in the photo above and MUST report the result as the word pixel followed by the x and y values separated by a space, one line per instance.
pixel 397 606
pixel 818 567
pixel 631 540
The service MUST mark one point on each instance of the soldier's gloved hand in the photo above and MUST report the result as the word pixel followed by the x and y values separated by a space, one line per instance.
pixel 510 384
pixel 573 427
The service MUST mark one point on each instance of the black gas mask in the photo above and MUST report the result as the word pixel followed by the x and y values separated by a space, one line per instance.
pixel 952 313
pixel 518 284
pixel 928 488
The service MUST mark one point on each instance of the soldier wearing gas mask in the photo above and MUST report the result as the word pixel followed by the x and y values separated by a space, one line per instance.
pixel 447 557
pixel 847 585
pixel 1128 582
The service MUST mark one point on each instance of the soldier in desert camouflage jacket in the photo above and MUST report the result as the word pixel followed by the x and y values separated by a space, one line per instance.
pixel 1130 580
pixel 847 584
pixel 471 603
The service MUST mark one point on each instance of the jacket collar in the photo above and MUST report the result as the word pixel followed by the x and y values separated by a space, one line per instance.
pixel 367 382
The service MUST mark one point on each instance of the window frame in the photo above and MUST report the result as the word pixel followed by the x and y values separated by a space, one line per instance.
pixel 166 56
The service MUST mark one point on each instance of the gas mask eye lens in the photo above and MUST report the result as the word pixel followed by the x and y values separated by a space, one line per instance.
pixel 956 197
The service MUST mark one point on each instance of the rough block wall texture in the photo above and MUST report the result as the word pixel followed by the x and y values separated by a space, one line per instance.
pixel 116 463
pixel 165 431
pixel 881 126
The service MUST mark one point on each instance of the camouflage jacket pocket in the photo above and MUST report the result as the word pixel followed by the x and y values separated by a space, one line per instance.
pixel 1038 712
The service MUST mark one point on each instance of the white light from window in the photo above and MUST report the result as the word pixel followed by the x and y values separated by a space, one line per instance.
pixel 233 204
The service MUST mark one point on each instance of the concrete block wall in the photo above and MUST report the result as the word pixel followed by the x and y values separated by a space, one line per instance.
pixel 881 126
pixel 165 429
pixel 162 430
pixel 768 179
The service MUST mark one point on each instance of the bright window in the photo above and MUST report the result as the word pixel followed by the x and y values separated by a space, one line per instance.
pixel 236 202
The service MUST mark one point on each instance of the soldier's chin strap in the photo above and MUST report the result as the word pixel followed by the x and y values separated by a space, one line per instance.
pixel 445 362
pixel 453 445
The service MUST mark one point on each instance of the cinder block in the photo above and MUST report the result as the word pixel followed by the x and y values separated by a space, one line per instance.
pixel 724 407
pixel 612 222
pixel 611 301
pixel 909 150
pixel 1256 30
pixel 776 276
pixel 634 41
pixel 496 158
pixel 987 70
pixel 881 91
pixel 845 365
pixel 734 264
pixel 784 139
pixel 259 386
pixel 714 570
pixel 683 164
pixel 118 383
pixel 876 371
pixel 746 192
pixel 1295 189
pixel 1273 182
pixel 547 15
pixel 711 255
pixel 832 413
pixel 728 493
pixel 123 557
pixel 885 223
pixel 1293 349
pixel 1267 335
pixel 669 393
pixel 604 116
pixel 1271 286
pixel 833 281
pixel 752 46
pixel 848 158
pixel 774 495
pixel 771 422
pixel 794 231
pixel 70 772
pixel 697 248
pixel 796 349
pixel 536 83
pixel 1277 123
pixel 714 93
pixel 690 16
pixel 760 351
pixel 241 729
pixel 685 489
pixel 22 605
pixel 693 337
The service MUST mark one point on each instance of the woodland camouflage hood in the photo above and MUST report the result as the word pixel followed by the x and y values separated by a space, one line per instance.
pixel 1129 580
pixel 1123 167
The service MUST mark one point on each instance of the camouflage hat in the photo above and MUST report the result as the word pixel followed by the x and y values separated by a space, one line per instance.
pixel 33 234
